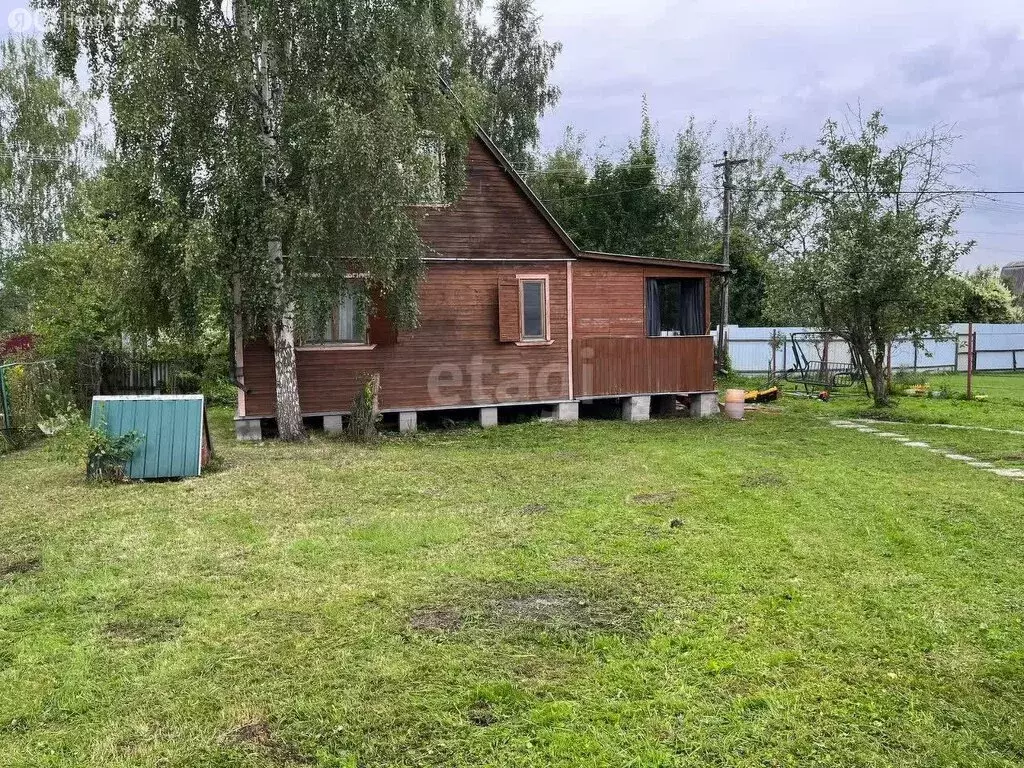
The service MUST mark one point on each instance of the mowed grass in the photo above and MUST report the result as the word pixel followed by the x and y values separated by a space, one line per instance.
pixel 770 592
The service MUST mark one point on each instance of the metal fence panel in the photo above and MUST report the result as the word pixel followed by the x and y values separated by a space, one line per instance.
pixel 1000 347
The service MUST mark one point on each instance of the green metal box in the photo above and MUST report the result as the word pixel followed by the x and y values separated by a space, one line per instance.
pixel 174 436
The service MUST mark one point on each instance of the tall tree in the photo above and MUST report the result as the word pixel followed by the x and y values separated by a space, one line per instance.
pixel 562 180
pixel 872 259
pixel 757 223
pixel 291 131
pixel 691 194
pixel 513 61
pixel 48 146
pixel 621 206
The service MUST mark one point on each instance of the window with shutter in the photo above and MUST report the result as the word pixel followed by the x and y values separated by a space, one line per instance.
pixel 523 309
pixel 508 309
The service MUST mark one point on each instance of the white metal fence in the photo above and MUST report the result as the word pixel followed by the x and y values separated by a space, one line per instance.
pixel 997 348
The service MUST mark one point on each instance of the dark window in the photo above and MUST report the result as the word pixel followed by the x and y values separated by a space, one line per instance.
pixel 675 307
pixel 534 309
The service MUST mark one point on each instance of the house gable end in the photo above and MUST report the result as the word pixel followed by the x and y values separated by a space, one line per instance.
pixel 497 216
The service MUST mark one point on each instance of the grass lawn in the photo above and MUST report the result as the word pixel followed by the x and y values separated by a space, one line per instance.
pixel 769 592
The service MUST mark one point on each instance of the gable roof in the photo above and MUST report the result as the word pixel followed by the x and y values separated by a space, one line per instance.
pixel 557 228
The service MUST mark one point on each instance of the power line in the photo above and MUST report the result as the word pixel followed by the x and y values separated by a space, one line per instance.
pixel 544 171
pixel 604 194
pixel 820 193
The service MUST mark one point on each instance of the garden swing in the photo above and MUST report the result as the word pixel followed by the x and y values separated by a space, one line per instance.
pixel 812 367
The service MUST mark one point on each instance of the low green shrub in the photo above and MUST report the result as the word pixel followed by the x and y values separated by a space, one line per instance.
pixel 219 391
pixel 105 456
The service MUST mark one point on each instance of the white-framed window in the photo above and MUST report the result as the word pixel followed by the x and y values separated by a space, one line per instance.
pixel 430 148
pixel 346 323
pixel 533 308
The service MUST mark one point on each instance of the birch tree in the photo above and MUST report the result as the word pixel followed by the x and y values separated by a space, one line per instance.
pixel 287 131
pixel 513 61
pixel 48 147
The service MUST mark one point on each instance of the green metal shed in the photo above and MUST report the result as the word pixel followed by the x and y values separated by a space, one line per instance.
pixel 174 435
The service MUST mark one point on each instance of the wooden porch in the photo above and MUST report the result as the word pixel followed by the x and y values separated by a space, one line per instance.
pixel 608 366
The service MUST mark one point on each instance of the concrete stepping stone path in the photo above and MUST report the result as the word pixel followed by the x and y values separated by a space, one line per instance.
pixel 987 466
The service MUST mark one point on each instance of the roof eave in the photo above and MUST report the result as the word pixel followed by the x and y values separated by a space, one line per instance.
pixel 705 266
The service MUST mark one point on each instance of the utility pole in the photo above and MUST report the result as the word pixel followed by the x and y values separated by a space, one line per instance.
pixel 723 336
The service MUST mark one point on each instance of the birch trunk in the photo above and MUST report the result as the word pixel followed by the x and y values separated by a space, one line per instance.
pixel 289 411
pixel 267 90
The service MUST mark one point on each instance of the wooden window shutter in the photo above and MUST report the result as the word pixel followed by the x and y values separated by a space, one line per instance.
pixel 508 309
pixel 380 330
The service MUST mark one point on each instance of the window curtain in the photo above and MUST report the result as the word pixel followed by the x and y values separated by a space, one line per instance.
pixel 692 307
pixel 653 308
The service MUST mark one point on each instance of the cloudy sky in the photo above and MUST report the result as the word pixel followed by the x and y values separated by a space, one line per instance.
pixel 792 63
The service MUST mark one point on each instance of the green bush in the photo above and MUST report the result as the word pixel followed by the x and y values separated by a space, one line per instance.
pixel 219 391
pixel 105 456
pixel 35 392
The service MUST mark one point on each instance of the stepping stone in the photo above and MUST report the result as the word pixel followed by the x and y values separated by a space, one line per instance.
pixel 888 434
pixel 1017 474
pixel 867 430
pixel 918 445
pixel 901 439
pixel 982 464
pixel 959 457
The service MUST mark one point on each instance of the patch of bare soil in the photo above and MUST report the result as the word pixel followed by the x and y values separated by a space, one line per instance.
pixel 652 499
pixel 256 732
pixel 143 630
pixel 481 714
pixel 564 611
pixel 20 565
pixel 763 480
pixel 442 620
pixel 259 734
pixel 534 509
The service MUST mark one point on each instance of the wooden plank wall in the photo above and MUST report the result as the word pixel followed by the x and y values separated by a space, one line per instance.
pixel 609 298
pixel 453 359
pixel 612 354
pixel 492 219
pixel 616 365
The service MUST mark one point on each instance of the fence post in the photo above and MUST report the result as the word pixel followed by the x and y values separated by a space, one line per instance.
pixel 970 361
pixel 5 403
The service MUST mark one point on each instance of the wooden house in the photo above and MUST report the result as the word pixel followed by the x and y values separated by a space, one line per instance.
pixel 511 313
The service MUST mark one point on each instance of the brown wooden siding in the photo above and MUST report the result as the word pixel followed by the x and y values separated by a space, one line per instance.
pixel 637 366
pixel 493 218
pixel 609 299
pixel 612 354
pixel 452 359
